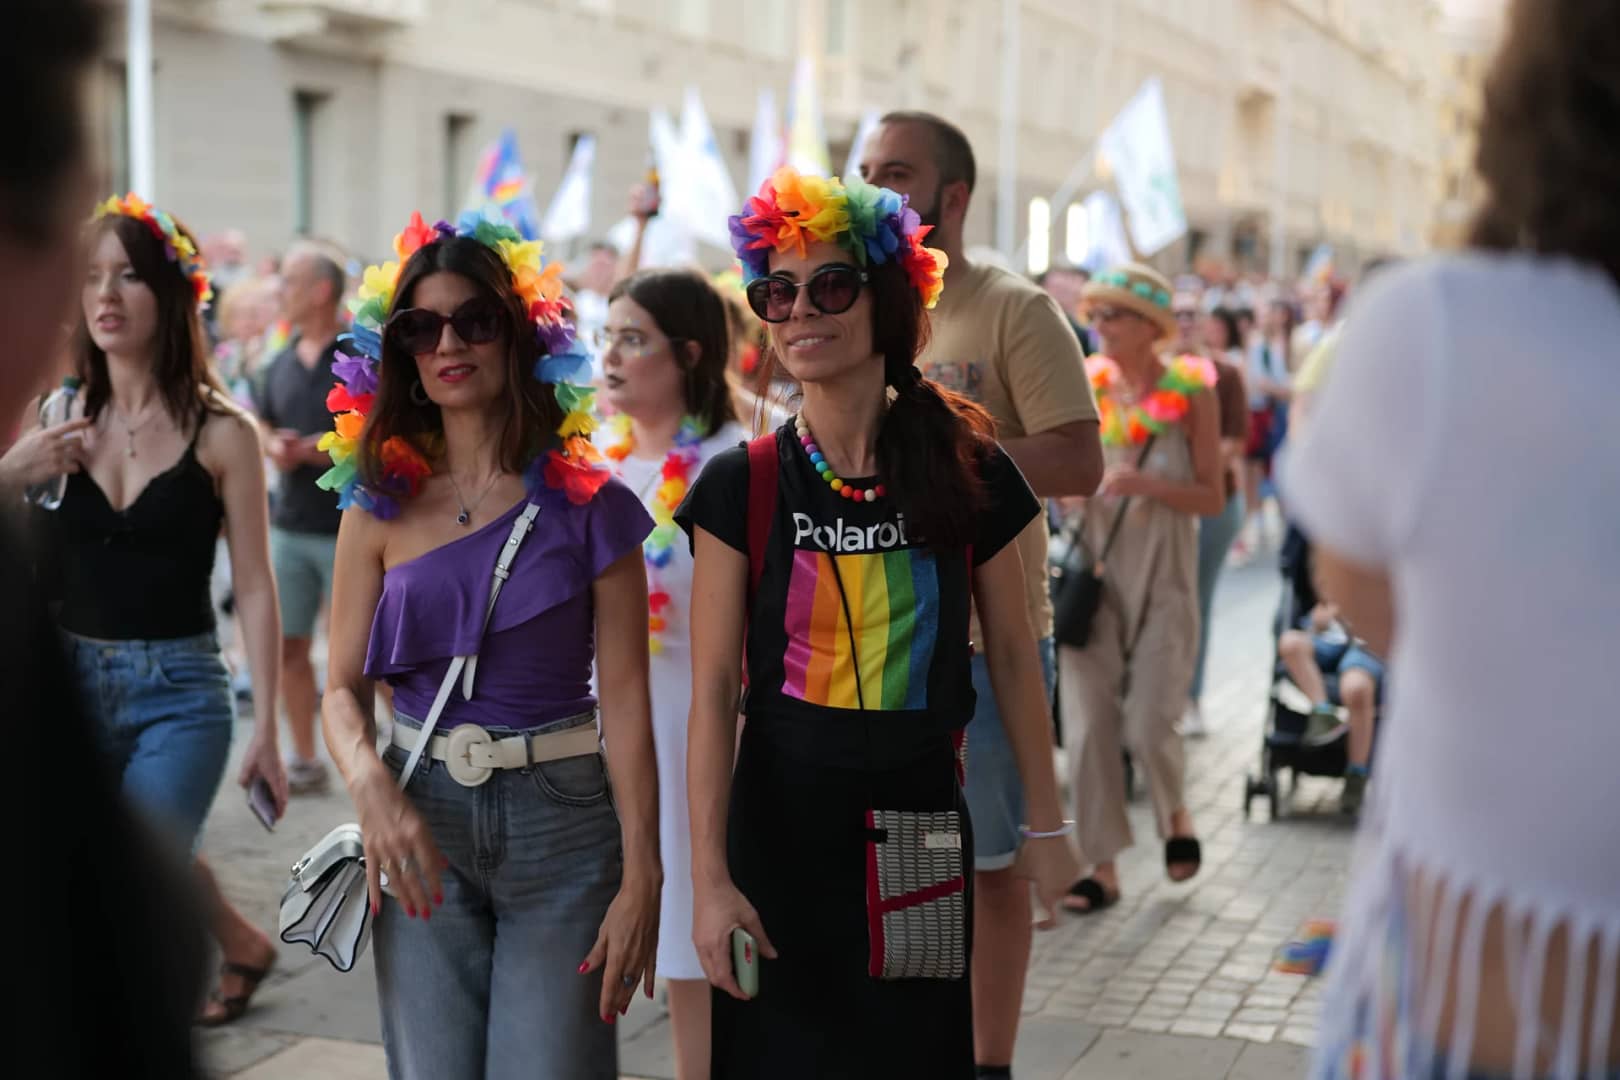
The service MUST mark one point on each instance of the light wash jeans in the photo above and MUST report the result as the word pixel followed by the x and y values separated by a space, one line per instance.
pixel 489 988
pixel 1215 536
pixel 163 713
pixel 994 790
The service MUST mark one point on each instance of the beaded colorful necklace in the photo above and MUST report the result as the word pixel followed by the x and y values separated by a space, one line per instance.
pixel 1130 423
pixel 659 547
pixel 819 461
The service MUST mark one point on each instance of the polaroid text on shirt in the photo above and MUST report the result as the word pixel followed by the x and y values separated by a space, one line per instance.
pixel 850 539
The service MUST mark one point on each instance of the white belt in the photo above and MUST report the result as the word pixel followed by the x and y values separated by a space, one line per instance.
pixel 472 754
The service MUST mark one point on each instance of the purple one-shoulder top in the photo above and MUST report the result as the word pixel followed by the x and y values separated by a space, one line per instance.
pixel 534 664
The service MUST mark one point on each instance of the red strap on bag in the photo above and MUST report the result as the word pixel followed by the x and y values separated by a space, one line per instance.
pixel 762 466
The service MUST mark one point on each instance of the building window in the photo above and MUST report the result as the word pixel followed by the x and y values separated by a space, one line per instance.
pixel 457 135
pixel 1040 235
pixel 1076 234
pixel 308 107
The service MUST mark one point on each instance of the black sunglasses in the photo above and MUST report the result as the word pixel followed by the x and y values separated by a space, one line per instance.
pixel 417 330
pixel 833 288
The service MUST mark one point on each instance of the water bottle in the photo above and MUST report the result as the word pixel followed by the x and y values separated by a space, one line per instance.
pixel 57 409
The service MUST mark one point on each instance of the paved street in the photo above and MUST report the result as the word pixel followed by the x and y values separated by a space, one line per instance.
pixel 1173 982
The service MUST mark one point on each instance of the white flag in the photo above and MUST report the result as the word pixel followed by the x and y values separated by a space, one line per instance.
pixel 765 145
pixel 708 196
pixel 569 214
pixel 1137 146
pixel 1105 233
pixel 869 123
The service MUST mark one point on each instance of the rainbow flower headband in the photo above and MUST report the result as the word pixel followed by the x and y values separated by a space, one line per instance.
pixel 872 223
pixel 573 467
pixel 176 244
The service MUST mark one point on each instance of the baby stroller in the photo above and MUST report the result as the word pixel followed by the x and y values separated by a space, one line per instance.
pixel 1284 744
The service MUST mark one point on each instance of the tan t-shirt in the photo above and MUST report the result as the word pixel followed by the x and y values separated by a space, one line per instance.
pixel 1003 342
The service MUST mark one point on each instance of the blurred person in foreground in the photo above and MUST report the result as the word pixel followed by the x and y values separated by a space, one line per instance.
pixel 291 404
pixel 1064 284
pixel 998 340
pixel 121 1002
pixel 1459 480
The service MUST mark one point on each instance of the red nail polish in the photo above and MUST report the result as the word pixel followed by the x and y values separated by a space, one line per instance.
pixel 410 911
pixel 438 899
pixel 748 953
pixel 586 966
pixel 444 861
pixel 427 913
pixel 375 907
pixel 626 1010
pixel 608 1019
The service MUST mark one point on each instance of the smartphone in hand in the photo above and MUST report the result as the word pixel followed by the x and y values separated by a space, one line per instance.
pixel 745 961
pixel 262 803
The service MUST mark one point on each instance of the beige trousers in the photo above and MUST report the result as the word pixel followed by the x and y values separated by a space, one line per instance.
pixel 1111 704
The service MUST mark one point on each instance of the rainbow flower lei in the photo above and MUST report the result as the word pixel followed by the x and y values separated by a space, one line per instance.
pixel 574 467
pixel 1132 423
pixel 176 244
pixel 659 547
pixel 873 224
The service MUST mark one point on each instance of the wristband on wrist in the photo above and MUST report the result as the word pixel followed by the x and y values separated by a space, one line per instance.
pixel 1030 834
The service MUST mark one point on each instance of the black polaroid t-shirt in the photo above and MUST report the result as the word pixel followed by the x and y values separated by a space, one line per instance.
pixel 901 653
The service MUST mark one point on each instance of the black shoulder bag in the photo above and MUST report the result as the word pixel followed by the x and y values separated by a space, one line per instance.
pixel 1079 585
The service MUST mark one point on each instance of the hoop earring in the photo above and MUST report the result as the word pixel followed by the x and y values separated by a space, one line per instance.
pixel 419 394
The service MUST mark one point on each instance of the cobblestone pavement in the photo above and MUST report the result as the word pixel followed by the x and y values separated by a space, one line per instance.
pixel 1174 981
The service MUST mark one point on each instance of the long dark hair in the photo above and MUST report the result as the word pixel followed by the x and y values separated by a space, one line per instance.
pixel 1228 320
pixel 1546 142
pixel 182 368
pixel 532 414
pixel 932 441
pixel 687 309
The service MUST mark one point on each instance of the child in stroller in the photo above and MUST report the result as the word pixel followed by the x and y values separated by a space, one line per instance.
pixel 1320 661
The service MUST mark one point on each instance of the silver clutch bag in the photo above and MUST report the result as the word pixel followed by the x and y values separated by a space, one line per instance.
pixel 325 904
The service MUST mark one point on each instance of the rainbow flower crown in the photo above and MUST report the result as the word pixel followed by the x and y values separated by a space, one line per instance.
pixel 573 467
pixel 176 244
pixel 872 223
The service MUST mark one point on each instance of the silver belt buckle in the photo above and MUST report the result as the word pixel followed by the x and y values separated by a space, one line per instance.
pixel 458 755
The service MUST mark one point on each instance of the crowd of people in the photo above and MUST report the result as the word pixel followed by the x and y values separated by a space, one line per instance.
pixel 750 687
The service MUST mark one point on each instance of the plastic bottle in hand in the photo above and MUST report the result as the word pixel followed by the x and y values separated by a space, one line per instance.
pixel 57 409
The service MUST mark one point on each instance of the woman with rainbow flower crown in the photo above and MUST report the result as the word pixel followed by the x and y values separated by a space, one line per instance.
pixel 845 551
pixel 458 421
pixel 1126 688
pixel 664 351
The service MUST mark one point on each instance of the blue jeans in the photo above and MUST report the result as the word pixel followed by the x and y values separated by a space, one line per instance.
pixel 995 793
pixel 163 713
pixel 1215 536
pixel 490 988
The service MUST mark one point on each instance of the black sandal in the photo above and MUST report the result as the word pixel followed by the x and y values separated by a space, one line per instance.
pixel 1093 893
pixel 1181 850
pixel 235 1005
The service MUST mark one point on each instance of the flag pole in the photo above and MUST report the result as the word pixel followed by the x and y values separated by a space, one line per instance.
pixel 138 91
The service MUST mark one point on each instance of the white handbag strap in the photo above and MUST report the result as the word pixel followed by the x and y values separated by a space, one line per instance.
pixel 468 663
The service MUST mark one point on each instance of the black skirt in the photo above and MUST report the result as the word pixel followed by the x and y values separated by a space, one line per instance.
pixel 796 844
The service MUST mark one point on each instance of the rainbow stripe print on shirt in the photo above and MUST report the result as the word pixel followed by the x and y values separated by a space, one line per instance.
pixel 894 601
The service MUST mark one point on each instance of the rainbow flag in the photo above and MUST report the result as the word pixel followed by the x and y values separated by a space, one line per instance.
pixel 502 185
pixel 894 602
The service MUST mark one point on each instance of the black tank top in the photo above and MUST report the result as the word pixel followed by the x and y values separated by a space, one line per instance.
pixel 141 573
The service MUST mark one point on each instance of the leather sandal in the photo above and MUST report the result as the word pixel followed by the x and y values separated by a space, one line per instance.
pixel 1094 893
pixel 235 1005
pixel 1180 851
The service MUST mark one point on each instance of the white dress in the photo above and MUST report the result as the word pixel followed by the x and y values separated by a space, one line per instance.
pixel 670 680
pixel 1465 444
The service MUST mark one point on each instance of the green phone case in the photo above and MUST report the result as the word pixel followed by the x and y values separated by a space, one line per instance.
pixel 745 961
